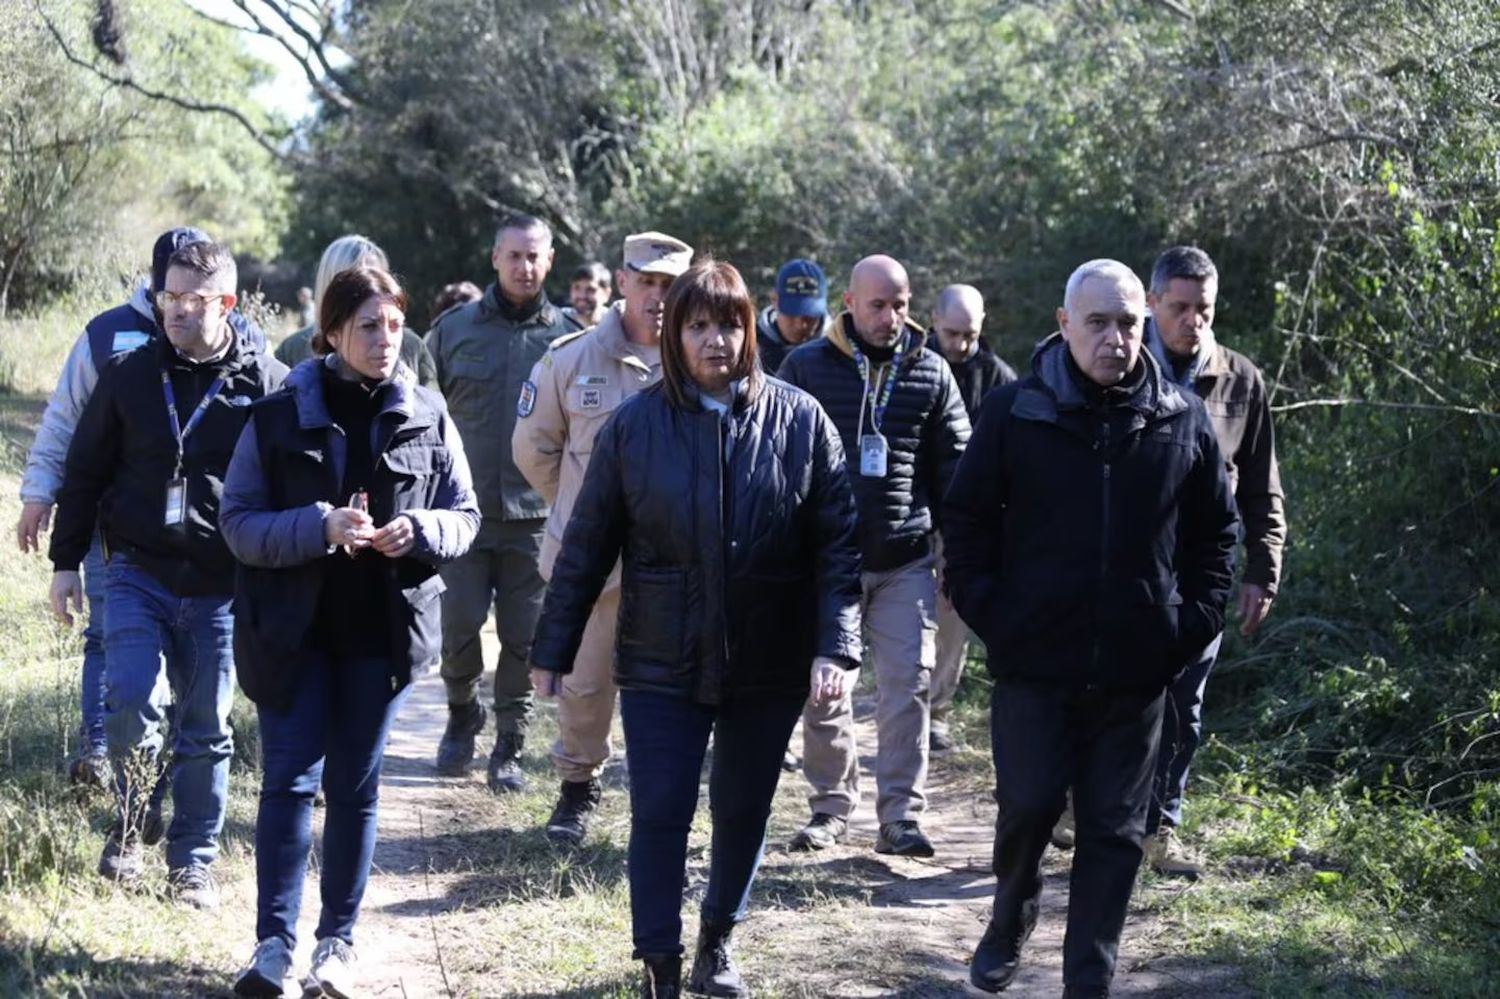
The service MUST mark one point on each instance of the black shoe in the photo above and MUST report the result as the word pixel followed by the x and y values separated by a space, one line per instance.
pixel 662 978
pixel 505 776
pixel 123 857
pixel 714 973
pixel 821 832
pixel 998 956
pixel 903 838
pixel 456 749
pixel 1085 992
pixel 194 885
pixel 569 822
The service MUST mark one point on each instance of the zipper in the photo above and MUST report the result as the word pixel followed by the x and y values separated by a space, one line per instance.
pixel 1102 446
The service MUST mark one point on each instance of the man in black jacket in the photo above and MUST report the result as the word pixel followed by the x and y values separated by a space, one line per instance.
pixel 958 326
pixel 148 459
pixel 1090 532
pixel 903 427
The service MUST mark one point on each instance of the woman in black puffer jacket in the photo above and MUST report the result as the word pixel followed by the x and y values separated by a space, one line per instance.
pixel 725 494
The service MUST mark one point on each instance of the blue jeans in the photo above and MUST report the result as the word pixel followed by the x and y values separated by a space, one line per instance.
pixel 91 696
pixel 1181 734
pixel 333 734
pixel 145 623
pixel 666 738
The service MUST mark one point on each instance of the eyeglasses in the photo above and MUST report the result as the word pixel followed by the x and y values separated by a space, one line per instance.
pixel 187 301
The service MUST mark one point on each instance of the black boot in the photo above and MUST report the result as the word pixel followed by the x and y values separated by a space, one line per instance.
pixel 456 748
pixel 662 979
pixel 998 956
pixel 569 822
pixel 505 776
pixel 714 973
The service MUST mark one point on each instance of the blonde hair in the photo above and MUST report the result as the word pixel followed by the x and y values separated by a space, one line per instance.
pixel 344 253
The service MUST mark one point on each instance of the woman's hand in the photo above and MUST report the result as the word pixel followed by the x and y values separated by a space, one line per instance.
pixel 828 680
pixel 396 538
pixel 348 527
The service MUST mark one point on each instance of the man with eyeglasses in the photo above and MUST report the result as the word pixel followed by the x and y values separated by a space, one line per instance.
pixel 147 463
pixel 107 335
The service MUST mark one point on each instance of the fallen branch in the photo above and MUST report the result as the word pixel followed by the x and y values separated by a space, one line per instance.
pixel 1379 404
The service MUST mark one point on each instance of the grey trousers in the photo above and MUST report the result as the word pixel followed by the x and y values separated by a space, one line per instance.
pixel 952 648
pixel 901 632
pixel 500 571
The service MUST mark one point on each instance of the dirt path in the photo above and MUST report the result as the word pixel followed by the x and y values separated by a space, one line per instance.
pixel 845 923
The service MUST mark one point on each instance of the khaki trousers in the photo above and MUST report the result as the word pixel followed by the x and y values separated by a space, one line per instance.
pixel 586 703
pixel 901 632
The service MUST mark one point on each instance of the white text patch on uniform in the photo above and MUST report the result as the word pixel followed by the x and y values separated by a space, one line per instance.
pixel 128 340
pixel 590 398
pixel 527 402
pixel 592 380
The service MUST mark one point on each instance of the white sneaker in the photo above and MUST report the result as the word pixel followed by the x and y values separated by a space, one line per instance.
pixel 332 971
pixel 268 970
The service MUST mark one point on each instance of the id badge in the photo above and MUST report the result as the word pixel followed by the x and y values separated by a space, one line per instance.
pixel 176 502
pixel 872 455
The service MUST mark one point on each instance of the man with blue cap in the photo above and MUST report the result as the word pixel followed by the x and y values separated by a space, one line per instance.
pixel 798 313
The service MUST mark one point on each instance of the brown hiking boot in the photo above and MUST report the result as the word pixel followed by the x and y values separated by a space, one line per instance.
pixel 1167 855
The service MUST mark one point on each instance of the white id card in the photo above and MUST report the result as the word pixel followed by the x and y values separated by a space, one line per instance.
pixel 872 454
pixel 176 502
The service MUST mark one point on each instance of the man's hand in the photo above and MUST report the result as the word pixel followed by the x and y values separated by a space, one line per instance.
pixel 67 588
pixel 545 682
pixel 828 680
pixel 348 526
pixel 396 538
pixel 35 517
pixel 1255 604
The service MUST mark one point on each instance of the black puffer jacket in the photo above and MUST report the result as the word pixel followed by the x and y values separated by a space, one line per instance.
pixel 737 570
pixel 1090 535
pixel 978 375
pixel 925 429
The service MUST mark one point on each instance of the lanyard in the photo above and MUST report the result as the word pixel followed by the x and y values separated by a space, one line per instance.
pixel 877 415
pixel 178 431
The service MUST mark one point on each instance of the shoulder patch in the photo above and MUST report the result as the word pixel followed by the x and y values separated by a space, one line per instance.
pixel 127 340
pixel 527 402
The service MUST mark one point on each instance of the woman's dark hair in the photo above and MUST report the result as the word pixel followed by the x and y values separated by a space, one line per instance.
pixel 345 294
pixel 455 294
pixel 715 289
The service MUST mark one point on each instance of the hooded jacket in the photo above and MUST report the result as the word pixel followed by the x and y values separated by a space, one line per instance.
pixel 769 345
pixel 123 455
pixel 736 538
pixel 925 429
pixel 1090 534
pixel 285 477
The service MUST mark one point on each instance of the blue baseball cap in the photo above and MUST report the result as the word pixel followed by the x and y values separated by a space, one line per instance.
pixel 801 289
pixel 167 244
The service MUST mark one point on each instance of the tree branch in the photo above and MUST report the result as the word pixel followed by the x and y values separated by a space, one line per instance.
pixel 128 83
pixel 1424 407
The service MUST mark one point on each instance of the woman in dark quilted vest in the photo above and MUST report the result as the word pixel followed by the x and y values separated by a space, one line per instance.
pixel 347 490
pixel 724 496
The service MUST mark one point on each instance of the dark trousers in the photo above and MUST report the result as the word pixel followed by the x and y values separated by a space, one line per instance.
pixel 1181 735
pixel 499 573
pixel 333 734
pixel 1102 744
pixel 666 737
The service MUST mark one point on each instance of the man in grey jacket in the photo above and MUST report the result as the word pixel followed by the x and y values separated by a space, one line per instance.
pixel 484 352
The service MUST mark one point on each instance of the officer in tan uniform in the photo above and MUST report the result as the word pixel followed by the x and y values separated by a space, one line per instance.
pixel 572 391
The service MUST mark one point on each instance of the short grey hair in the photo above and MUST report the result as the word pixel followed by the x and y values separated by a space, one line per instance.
pixel 522 222
pixel 1099 267
pixel 1181 262
pixel 342 254
pixel 210 260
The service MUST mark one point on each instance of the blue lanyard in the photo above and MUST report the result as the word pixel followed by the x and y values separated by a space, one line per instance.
pixel 178 431
pixel 877 415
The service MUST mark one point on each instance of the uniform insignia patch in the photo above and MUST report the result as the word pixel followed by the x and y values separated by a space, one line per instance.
pixel 592 380
pixel 126 340
pixel 591 398
pixel 527 402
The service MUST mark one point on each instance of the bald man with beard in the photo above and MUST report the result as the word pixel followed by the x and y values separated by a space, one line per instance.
pixel 902 421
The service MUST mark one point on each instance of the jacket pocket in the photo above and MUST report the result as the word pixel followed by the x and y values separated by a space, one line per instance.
pixel 424 619
pixel 653 609
pixel 1143 627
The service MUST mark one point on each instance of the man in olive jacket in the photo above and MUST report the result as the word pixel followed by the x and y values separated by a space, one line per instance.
pixel 483 352
pixel 1180 335
pixel 1089 533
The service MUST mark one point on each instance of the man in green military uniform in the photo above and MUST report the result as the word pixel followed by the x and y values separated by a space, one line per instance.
pixel 484 352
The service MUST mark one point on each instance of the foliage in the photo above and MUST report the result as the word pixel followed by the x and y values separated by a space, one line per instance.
pixel 90 173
